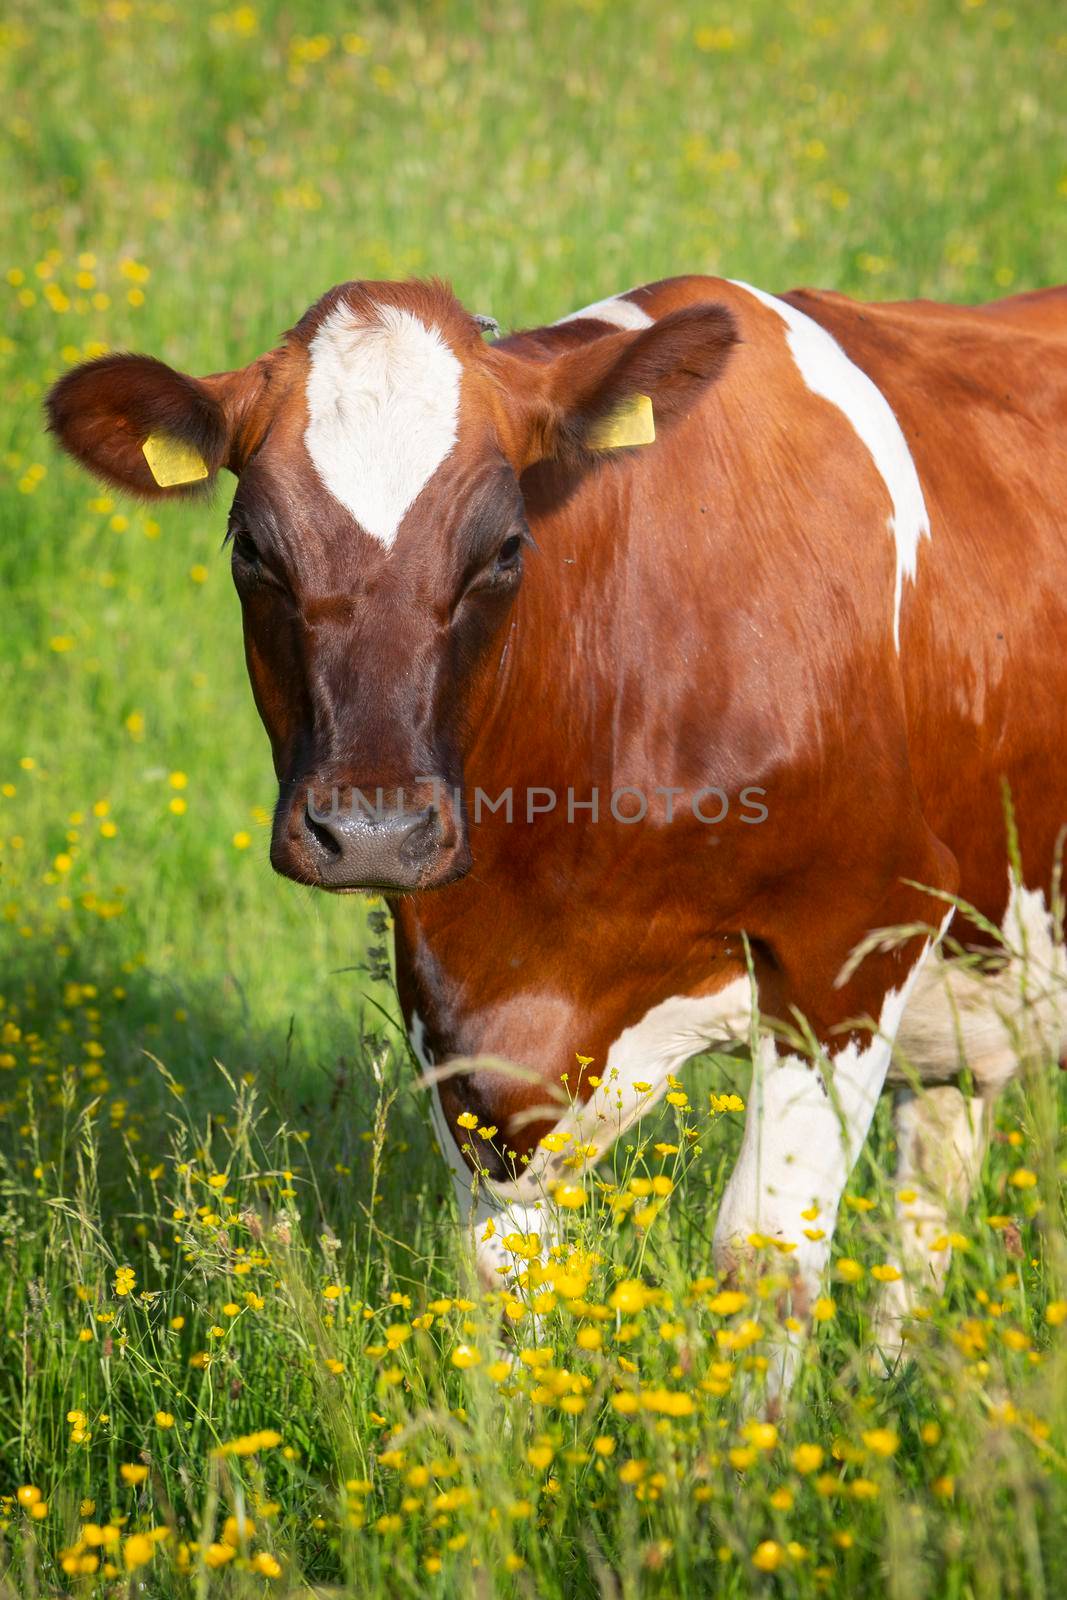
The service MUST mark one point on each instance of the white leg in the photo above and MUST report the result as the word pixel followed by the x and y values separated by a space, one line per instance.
pixel 632 1081
pixel 804 1129
pixel 941 1139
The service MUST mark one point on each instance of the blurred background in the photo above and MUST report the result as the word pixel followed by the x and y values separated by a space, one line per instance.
pixel 185 179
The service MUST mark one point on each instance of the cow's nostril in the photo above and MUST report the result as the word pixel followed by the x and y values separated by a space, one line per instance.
pixel 420 836
pixel 318 830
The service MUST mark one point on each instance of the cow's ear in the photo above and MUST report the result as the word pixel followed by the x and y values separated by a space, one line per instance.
pixel 137 423
pixel 596 396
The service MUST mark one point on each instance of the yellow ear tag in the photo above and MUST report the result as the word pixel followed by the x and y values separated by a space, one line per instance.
pixel 173 462
pixel 630 423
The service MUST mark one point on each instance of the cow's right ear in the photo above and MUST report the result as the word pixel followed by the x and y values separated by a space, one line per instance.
pixel 571 405
pixel 106 412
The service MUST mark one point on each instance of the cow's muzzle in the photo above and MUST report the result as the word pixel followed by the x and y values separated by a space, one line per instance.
pixel 339 839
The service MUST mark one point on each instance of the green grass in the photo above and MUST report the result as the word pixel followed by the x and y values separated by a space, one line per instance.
pixel 539 157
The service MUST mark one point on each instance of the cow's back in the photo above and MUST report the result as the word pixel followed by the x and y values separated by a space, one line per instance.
pixel 981 394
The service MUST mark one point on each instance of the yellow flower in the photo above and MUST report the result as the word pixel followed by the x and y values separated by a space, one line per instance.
pixel 241 841
pixel 726 1102
pixel 807 1458
pixel 668 1402
pixel 266 1565
pixel 569 1195
pixel 467 1119
pixel 1023 1178
pixel 249 1444
pixel 823 1310
pixel 885 1273
pixel 604 1445
pixel 178 780
pixel 132 1473
pixel 849 1271
pixel 137 1551
pixel 164 1419
pixel 465 1355
pixel 882 1441
pixel 234 1530
pixel 29 1495
pixel 1056 1312
pixel 727 1301
pixel 540 1456
pixel 768 1556
pixel 554 1142
pixel 629 1297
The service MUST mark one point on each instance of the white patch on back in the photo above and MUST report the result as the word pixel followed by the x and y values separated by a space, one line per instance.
pixel 383 404
pixel 619 312
pixel 829 372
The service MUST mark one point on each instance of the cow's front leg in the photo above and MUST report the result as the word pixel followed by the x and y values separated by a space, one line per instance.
pixel 808 1116
pixel 560 1135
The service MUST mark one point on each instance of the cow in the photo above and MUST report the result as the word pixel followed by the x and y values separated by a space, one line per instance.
pixel 650 663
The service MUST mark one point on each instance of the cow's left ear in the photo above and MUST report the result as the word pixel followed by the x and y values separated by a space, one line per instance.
pixel 148 429
pixel 582 401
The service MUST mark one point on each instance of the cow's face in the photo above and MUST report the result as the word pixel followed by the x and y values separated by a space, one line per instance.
pixel 378 536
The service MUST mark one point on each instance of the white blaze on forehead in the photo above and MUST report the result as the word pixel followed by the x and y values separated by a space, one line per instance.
pixel 828 372
pixel 619 312
pixel 383 404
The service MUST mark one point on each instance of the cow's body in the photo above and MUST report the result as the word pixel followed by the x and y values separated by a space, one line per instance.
pixel 723 612
pixel 834 589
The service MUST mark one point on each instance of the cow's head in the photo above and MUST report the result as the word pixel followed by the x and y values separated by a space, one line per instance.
pixel 377 534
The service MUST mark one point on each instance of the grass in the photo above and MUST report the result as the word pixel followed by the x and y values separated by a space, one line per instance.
pixel 219 1201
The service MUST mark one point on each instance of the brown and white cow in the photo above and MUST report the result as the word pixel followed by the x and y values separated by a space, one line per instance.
pixel 810 631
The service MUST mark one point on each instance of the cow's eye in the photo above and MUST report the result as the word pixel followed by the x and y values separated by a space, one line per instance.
pixel 508 554
pixel 244 547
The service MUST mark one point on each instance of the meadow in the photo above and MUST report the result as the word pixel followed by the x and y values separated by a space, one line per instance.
pixel 241 1349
